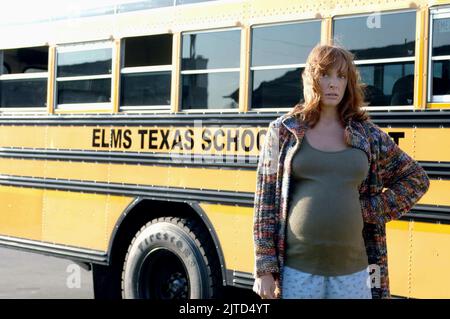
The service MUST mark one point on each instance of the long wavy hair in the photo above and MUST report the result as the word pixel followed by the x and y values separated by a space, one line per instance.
pixel 321 59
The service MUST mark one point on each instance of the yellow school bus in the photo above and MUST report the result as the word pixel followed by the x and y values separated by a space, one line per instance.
pixel 130 133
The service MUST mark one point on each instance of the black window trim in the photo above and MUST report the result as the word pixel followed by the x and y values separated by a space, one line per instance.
pixel 379 61
pixel 436 13
pixel 144 69
pixel 277 66
pixel 85 46
pixel 207 71
pixel 23 76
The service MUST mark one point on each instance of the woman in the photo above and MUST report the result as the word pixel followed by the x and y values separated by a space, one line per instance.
pixel 328 180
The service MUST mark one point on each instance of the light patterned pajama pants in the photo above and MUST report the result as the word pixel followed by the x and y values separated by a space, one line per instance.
pixel 300 285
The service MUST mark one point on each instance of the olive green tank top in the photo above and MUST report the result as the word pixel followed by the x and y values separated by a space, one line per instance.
pixel 324 229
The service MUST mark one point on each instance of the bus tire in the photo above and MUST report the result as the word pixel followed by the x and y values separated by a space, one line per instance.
pixel 171 258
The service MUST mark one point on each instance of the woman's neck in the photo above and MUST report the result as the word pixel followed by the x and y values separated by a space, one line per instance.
pixel 329 116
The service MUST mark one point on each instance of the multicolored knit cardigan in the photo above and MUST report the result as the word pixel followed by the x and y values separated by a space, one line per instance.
pixel 395 182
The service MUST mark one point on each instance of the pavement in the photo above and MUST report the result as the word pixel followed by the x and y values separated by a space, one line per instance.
pixel 25 275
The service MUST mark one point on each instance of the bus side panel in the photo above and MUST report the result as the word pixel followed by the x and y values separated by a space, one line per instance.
pixel 437 193
pixel 419 259
pixel 81 220
pixel 234 229
pixel 432 144
pixel 398 258
pixel 21 212
pixel 430 260
pixel 67 218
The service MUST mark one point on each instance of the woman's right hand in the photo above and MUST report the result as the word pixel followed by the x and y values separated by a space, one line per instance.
pixel 266 287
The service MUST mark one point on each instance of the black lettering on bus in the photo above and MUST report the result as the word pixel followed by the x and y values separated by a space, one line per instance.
pixel 104 144
pixel 188 135
pixel 116 138
pixel 177 140
pixel 142 133
pixel 165 139
pixel 248 133
pixel 232 139
pixel 260 138
pixel 96 137
pixel 127 139
pixel 151 139
pixel 396 136
pixel 215 140
pixel 206 143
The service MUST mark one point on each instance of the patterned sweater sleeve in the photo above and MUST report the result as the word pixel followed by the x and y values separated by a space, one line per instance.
pixel 404 180
pixel 265 205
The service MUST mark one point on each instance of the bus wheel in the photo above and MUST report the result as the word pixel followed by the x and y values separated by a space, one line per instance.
pixel 170 258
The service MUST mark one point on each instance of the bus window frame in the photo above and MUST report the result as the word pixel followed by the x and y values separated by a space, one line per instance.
pixel 435 13
pixel 143 69
pixel 204 71
pixel 276 66
pixel 386 61
pixel 78 47
pixel 413 58
pixel 25 76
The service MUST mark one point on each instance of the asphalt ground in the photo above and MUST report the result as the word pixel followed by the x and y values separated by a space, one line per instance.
pixel 25 275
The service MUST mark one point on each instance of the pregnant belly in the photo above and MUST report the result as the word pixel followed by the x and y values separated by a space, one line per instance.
pixel 326 217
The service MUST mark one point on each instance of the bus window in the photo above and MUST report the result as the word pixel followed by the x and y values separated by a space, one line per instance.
pixel 210 69
pixel 23 82
pixel 439 87
pixel 83 74
pixel 278 56
pixel 384 48
pixel 146 72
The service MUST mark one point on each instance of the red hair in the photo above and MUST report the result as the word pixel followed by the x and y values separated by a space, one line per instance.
pixel 321 59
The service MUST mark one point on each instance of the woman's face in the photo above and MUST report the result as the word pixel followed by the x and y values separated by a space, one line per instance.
pixel 332 87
